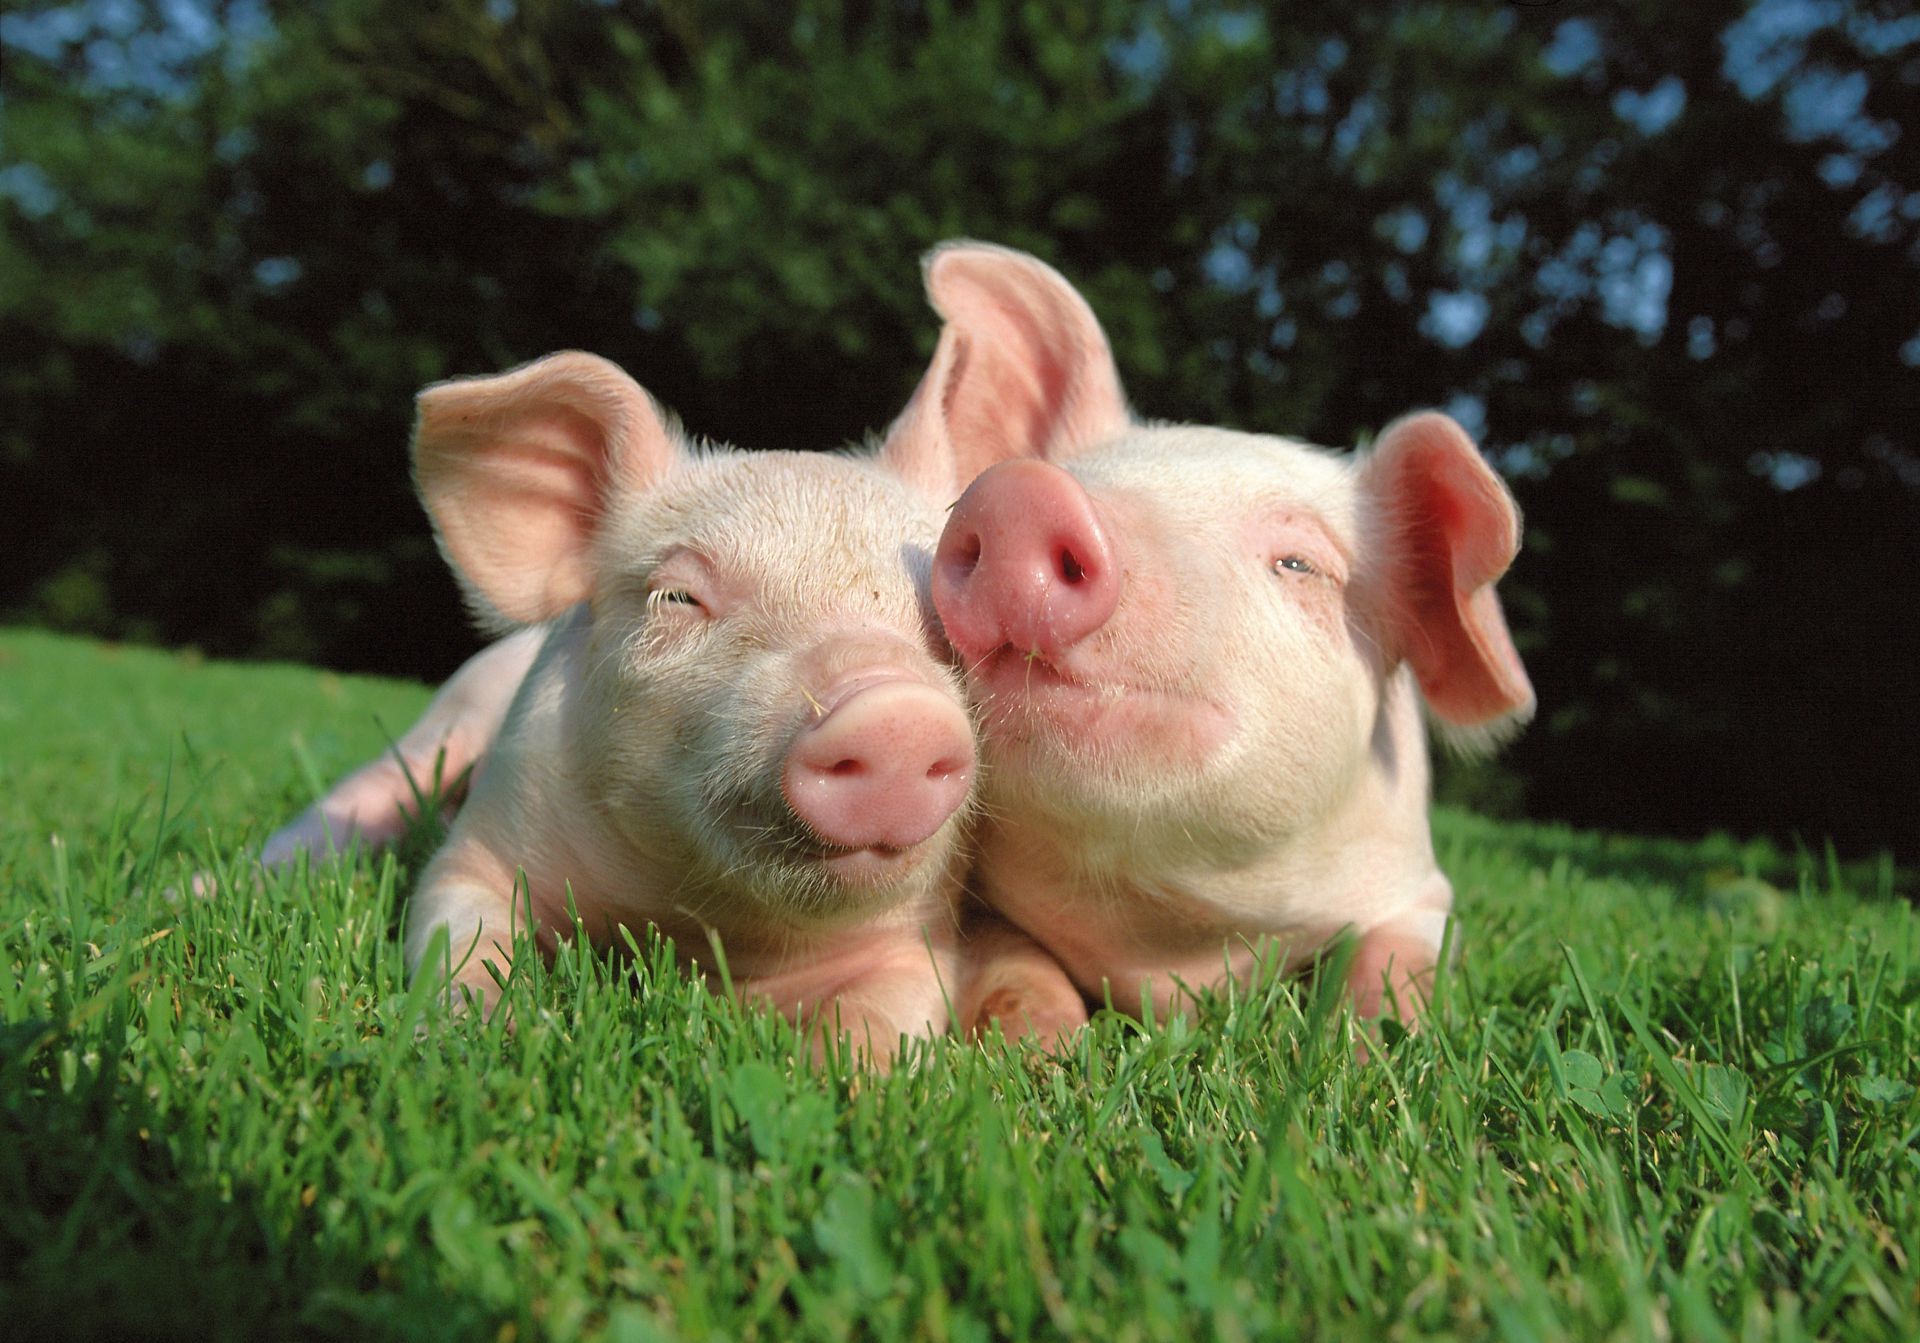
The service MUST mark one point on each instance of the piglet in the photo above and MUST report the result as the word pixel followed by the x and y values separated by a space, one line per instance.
pixel 1200 659
pixel 739 723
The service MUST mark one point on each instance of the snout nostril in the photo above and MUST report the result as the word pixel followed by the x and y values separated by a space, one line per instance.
pixel 944 769
pixel 965 556
pixel 847 768
pixel 1070 568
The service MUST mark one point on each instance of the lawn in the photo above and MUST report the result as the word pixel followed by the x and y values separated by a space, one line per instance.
pixel 1668 1092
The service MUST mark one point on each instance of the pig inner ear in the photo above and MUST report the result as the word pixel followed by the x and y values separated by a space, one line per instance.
pixel 1022 370
pixel 518 470
pixel 1451 530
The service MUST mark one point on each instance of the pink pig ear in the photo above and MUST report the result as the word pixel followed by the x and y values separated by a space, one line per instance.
pixel 518 471
pixel 1451 529
pixel 1022 370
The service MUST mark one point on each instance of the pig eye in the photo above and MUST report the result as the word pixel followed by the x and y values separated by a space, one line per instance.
pixel 678 598
pixel 1293 564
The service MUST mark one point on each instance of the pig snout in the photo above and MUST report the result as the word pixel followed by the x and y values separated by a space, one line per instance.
pixel 1023 562
pixel 883 769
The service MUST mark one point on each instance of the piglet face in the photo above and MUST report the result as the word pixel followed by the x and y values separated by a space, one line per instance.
pixel 1181 647
pixel 758 716
pixel 762 696
pixel 1181 638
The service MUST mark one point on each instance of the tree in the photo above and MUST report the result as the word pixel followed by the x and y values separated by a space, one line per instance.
pixel 1662 262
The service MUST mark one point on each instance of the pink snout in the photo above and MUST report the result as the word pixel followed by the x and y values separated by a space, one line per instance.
pixel 1023 562
pixel 884 769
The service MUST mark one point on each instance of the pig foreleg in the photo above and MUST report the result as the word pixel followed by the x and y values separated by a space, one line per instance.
pixel 866 1001
pixel 1011 981
pixel 1394 964
pixel 481 904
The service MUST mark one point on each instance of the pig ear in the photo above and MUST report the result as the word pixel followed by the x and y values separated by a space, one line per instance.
pixel 1022 370
pixel 1451 530
pixel 518 472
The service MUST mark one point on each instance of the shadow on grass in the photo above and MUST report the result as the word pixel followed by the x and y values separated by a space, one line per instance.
pixel 110 1235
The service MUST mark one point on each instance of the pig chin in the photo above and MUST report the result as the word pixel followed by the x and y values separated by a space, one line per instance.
pixel 773 860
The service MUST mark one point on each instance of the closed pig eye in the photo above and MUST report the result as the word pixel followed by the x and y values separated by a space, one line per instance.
pixel 683 588
pixel 678 599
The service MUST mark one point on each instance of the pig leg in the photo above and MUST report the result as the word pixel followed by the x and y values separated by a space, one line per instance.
pixel 476 896
pixel 1393 966
pixel 1010 981
pixel 371 805
pixel 865 999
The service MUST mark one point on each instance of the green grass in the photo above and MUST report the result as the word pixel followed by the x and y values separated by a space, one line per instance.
pixel 1667 1093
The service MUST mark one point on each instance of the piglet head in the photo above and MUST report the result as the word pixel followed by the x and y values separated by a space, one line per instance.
pixel 761 711
pixel 1183 636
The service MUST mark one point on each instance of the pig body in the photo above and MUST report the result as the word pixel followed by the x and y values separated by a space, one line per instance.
pixel 1199 658
pixel 440 756
pixel 740 725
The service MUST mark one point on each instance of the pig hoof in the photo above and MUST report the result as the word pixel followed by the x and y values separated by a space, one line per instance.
pixel 1019 1015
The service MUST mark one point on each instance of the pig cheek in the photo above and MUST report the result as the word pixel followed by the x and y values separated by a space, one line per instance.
pixel 1275 729
pixel 731 736
pixel 1092 763
pixel 1309 707
pixel 1177 637
pixel 1171 735
pixel 1166 641
pixel 650 738
pixel 613 729
pixel 750 728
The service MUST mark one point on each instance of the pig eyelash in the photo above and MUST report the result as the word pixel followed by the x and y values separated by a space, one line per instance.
pixel 660 597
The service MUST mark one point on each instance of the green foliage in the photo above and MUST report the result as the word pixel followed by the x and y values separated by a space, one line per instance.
pixel 1634 1113
pixel 1662 261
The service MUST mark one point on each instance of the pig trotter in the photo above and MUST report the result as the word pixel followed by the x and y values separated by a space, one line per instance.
pixel 1012 983
pixel 1393 968
pixel 471 894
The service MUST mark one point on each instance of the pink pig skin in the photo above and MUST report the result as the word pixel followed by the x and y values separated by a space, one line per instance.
pixel 740 723
pixel 1200 658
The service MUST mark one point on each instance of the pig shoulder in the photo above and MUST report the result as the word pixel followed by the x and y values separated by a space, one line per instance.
pixel 533 809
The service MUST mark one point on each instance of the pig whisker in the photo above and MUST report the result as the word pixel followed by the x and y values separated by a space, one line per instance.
pixel 979 808
pixel 981 662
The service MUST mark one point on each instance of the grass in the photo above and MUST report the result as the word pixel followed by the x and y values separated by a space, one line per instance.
pixel 1668 1092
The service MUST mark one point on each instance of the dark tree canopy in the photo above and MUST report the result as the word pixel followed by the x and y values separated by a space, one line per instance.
pixel 1664 261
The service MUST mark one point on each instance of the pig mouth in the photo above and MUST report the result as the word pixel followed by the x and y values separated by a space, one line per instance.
pixel 787 844
pixel 865 865
pixel 1030 700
